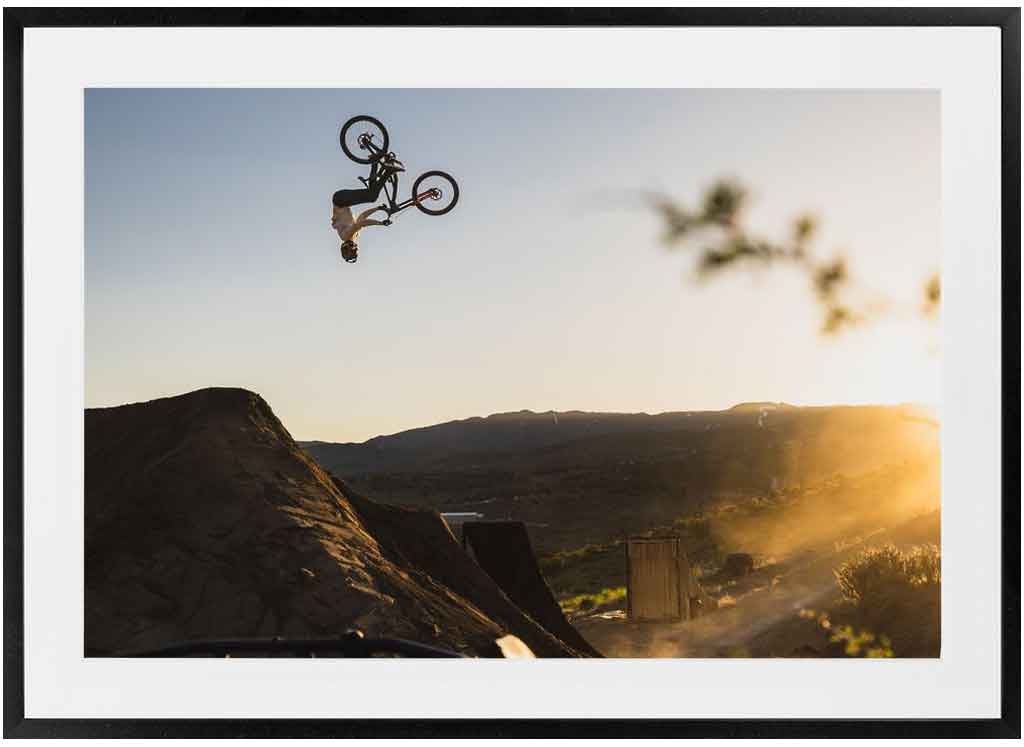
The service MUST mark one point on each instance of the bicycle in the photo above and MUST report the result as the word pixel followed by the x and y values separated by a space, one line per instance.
pixel 359 138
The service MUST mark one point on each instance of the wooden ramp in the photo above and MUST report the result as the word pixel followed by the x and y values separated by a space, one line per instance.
pixel 503 550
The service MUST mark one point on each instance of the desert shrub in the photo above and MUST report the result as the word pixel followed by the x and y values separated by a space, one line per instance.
pixel 587 602
pixel 891 592
pixel 882 573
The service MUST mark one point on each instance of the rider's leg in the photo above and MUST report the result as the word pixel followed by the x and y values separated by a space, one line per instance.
pixel 349 197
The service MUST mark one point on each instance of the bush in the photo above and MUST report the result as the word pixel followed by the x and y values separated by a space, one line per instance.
pixel 587 602
pixel 879 574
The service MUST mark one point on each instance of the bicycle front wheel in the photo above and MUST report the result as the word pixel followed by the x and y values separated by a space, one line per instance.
pixel 435 192
pixel 361 137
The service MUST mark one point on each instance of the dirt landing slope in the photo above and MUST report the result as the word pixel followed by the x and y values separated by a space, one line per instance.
pixel 502 548
pixel 204 519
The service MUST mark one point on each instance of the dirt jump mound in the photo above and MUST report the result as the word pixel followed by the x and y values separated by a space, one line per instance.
pixel 204 519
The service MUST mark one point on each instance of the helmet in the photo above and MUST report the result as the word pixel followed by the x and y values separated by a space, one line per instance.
pixel 349 251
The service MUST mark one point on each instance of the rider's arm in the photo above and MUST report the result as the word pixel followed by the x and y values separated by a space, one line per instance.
pixel 367 213
pixel 361 224
pixel 364 218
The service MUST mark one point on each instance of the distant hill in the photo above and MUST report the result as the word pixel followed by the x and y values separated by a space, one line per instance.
pixel 525 430
pixel 509 431
pixel 578 477
pixel 759 406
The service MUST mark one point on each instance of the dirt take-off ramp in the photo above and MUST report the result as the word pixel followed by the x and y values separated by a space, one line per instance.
pixel 204 519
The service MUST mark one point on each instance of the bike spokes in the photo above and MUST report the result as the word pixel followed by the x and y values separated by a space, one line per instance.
pixel 364 139
pixel 366 144
pixel 435 193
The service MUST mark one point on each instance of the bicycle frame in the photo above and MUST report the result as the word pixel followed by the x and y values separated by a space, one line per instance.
pixel 390 183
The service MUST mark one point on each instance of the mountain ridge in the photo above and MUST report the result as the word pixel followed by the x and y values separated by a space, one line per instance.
pixel 516 430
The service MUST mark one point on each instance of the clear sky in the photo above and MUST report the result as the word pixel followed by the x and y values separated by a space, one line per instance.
pixel 210 261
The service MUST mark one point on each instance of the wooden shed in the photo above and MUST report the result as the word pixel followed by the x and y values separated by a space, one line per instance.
pixel 658 580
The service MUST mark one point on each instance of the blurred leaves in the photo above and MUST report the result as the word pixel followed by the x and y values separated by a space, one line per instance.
pixel 722 203
pixel 838 318
pixel 727 243
pixel 732 250
pixel 829 277
pixel 804 228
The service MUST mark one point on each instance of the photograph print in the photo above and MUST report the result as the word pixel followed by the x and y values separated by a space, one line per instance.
pixel 512 373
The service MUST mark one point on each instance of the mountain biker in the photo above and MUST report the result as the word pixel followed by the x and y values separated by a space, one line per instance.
pixel 342 220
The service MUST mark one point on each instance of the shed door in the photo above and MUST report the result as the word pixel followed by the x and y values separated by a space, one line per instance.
pixel 654 580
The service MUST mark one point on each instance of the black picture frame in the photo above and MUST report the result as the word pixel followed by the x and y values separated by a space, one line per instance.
pixel 16 20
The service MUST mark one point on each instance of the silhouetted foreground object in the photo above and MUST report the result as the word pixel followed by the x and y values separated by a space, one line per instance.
pixel 352 645
pixel 726 242
pixel 204 519
pixel 503 550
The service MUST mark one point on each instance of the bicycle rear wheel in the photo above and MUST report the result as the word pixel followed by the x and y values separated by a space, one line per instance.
pixel 361 132
pixel 443 192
